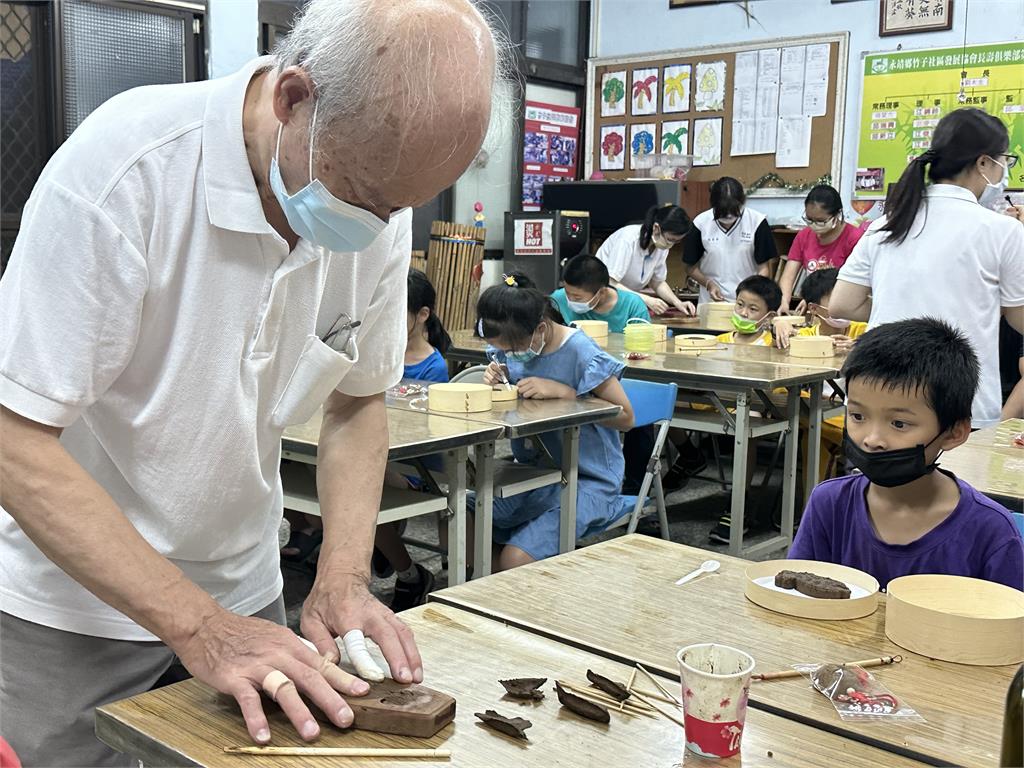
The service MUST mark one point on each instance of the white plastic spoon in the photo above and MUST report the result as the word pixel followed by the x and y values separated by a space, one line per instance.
pixel 708 566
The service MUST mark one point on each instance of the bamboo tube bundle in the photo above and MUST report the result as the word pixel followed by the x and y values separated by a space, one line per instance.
pixel 456 251
pixel 418 261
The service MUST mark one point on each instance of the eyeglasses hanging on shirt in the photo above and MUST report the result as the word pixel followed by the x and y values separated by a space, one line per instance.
pixel 341 334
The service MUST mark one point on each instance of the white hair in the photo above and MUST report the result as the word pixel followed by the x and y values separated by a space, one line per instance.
pixel 339 44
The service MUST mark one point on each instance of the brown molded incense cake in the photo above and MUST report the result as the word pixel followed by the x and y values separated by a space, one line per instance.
pixel 524 687
pixel 812 585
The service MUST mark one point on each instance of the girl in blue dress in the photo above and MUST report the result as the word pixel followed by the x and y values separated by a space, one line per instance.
pixel 548 360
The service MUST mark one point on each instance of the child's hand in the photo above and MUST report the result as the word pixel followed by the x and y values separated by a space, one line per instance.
pixel 536 388
pixel 495 374
pixel 781 331
pixel 842 344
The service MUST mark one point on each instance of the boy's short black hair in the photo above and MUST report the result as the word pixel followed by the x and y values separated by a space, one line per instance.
pixel 818 285
pixel 924 355
pixel 764 287
pixel 586 272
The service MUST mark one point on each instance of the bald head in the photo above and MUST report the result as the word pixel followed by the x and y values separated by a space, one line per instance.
pixel 404 94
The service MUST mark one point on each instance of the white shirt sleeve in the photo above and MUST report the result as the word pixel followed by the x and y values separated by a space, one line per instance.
pixel 70 307
pixel 616 252
pixel 857 269
pixel 382 335
pixel 1011 270
pixel 660 273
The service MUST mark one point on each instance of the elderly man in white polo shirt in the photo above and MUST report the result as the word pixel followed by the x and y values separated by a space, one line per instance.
pixel 200 266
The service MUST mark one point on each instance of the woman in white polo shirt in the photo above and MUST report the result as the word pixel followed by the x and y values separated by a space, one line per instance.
pixel 729 243
pixel 636 254
pixel 940 252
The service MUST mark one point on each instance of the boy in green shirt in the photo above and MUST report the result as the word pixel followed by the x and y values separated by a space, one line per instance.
pixel 587 295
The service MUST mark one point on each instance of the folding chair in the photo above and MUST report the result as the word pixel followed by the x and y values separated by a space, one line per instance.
pixel 652 404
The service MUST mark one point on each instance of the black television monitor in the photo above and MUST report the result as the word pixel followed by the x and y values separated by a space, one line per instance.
pixel 611 204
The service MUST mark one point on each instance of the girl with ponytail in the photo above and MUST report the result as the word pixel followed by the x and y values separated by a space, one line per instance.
pixel 428 340
pixel 940 251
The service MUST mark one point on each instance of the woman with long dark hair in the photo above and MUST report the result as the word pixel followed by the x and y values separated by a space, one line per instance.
pixel 730 242
pixel 941 252
pixel 636 257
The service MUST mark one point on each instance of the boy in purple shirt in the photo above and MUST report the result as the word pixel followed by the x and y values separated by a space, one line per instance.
pixel 909 389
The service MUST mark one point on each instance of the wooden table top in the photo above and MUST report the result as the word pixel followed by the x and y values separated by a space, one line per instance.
pixel 519 418
pixel 410 434
pixel 619 598
pixel 729 367
pixel 991 462
pixel 464 656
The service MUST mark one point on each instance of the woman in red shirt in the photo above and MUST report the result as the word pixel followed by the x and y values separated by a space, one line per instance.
pixel 825 242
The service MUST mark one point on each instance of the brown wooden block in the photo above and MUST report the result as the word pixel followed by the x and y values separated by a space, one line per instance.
pixel 405 710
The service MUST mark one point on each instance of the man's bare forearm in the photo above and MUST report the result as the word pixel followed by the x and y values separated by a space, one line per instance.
pixel 78 526
pixel 351 459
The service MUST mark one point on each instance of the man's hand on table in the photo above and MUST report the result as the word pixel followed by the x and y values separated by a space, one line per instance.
pixel 235 654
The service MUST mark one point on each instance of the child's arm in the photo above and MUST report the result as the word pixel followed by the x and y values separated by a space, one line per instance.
pixel 611 390
pixel 537 388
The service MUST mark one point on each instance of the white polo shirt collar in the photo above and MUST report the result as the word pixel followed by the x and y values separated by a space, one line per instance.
pixel 954 191
pixel 232 201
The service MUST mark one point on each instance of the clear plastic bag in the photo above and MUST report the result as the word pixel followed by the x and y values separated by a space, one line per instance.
pixel 856 694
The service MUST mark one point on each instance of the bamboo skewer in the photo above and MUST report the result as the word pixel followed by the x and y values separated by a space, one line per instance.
pixel 655 695
pixel 442 754
pixel 629 688
pixel 674 718
pixel 659 686
pixel 790 673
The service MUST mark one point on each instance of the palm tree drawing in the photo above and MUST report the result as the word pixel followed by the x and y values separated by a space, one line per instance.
pixel 676 85
pixel 642 90
pixel 674 141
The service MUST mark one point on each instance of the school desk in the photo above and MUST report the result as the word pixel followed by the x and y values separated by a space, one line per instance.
pixel 619 599
pixel 747 381
pixel 410 435
pixel 465 655
pixel 990 462
pixel 524 418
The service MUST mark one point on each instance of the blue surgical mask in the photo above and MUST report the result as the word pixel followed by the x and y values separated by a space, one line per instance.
pixel 582 307
pixel 993 193
pixel 318 216
pixel 527 355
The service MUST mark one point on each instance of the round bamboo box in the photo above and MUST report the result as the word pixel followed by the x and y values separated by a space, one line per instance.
pixel 716 315
pixel 502 395
pixel 459 397
pixel 760 588
pixel 811 346
pixel 695 343
pixel 956 618
pixel 595 329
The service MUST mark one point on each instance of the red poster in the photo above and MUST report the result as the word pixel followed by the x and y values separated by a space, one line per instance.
pixel 550 148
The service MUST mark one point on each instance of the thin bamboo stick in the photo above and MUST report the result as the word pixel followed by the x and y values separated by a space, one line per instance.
pixel 443 754
pixel 790 673
pixel 632 708
pixel 677 720
pixel 659 686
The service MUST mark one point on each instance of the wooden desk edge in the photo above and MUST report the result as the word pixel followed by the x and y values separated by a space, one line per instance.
pixel 119 738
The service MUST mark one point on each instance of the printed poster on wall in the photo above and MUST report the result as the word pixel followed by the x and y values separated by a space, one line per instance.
pixel 906 93
pixel 550 147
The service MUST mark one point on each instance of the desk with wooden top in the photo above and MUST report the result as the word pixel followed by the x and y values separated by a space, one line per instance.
pixel 412 435
pixel 619 599
pixel 748 376
pixel 465 655
pixel 517 419
pixel 990 462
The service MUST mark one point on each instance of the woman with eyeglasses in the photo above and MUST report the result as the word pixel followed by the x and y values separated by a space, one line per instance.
pixel 940 251
pixel 825 243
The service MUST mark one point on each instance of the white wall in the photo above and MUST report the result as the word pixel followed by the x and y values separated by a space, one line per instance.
pixel 630 27
pixel 234 31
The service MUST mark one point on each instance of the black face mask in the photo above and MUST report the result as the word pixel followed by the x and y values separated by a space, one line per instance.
pixel 889 468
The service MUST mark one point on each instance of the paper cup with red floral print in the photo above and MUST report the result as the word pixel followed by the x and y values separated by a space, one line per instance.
pixel 716 685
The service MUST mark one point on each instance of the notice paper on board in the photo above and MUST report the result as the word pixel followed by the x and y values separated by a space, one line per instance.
pixel 793 143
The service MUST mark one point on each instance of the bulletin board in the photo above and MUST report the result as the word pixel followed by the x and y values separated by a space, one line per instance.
pixel 677 113
pixel 906 93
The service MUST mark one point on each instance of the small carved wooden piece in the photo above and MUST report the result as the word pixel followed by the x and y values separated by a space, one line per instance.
pixel 510 726
pixel 581 706
pixel 404 710
pixel 812 585
pixel 524 687
pixel 616 690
